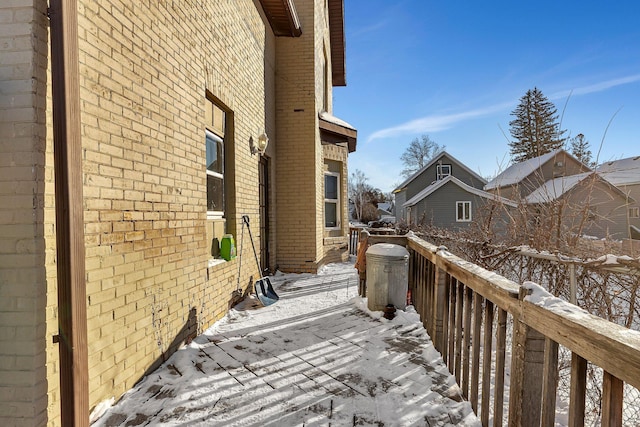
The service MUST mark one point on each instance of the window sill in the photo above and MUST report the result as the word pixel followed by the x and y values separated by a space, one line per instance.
pixel 216 261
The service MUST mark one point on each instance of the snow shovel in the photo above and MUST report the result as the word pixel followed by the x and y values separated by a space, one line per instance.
pixel 264 291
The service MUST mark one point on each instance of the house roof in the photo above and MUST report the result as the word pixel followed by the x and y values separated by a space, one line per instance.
pixel 438 184
pixel 432 162
pixel 556 188
pixel 621 172
pixel 284 21
pixel 337 131
pixel 519 171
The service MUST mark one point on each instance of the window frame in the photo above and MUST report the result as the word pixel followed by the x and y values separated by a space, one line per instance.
pixel 634 212
pixel 463 203
pixel 440 175
pixel 335 201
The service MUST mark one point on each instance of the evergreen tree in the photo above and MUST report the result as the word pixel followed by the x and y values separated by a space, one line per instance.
pixel 418 154
pixel 535 129
pixel 579 147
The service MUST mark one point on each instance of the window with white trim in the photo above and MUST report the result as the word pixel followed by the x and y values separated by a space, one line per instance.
pixel 442 171
pixel 332 200
pixel 214 146
pixel 463 211
pixel 634 212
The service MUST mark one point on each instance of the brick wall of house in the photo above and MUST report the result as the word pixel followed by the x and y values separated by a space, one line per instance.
pixel 144 73
pixel 145 70
pixel 23 292
pixel 296 147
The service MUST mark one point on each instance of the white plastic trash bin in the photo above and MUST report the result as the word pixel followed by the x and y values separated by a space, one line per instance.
pixel 387 276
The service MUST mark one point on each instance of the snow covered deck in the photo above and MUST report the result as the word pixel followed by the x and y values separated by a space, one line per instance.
pixel 317 357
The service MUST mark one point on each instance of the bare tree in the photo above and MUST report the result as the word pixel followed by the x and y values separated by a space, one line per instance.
pixel 418 154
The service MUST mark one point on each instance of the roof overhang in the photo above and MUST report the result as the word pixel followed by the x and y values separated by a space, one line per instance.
pixel 337 40
pixel 335 131
pixel 282 17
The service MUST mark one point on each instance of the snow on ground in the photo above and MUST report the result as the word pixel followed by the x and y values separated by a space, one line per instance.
pixel 316 357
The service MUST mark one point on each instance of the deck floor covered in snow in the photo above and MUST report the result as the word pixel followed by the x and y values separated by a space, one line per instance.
pixel 317 357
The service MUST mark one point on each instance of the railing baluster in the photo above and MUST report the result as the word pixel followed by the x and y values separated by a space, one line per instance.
pixel 577 391
pixel 450 330
pixel 467 341
pixel 475 363
pixel 500 355
pixel 486 362
pixel 459 289
pixel 550 383
pixel 612 397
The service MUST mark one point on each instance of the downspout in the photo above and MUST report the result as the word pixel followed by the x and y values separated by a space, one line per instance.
pixel 67 148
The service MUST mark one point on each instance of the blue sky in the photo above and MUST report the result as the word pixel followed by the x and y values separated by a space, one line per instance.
pixel 455 70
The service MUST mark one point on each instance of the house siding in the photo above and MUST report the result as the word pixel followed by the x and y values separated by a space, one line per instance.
pixel 145 72
pixel 428 176
pixel 439 209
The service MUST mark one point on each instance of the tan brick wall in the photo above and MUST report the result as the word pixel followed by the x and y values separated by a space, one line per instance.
pixel 300 212
pixel 144 72
pixel 23 63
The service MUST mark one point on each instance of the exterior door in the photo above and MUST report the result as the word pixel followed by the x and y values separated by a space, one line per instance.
pixel 264 213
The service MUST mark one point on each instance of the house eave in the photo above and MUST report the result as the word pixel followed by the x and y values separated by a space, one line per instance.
pixel 282 17
pixel 334 132
pixel 337 41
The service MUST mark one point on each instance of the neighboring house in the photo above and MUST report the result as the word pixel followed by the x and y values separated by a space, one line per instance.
pixel 625 174
pixel 451 204
pixel 161 110
pixel 584 204
pixel 439 167
pixel 520 179
pixel 385 209
pixel 557 185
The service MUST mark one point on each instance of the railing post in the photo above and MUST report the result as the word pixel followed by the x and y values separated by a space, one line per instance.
pixel 527 367
pixel 438 311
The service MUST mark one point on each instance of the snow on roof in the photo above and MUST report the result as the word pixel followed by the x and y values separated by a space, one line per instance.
pixel 437 184
pixel 555 188
pixel 333 119
pixel 620 172
pixel 433 161
pixel 519 171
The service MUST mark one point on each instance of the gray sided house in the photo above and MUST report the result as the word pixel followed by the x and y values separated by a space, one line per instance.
pixel 583 204
pixel 625 174
pixel 451 204
pixel 520 179
pixel 441 166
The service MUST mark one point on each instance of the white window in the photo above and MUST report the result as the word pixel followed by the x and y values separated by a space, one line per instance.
pixel 215 175
pixel 332 200
pixel 463 211
pixel 634 212
pixel 442 171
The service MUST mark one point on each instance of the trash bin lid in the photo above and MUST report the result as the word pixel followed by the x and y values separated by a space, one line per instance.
pixel 388 251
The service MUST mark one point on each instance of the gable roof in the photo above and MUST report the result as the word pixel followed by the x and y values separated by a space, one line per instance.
pixel 556 188
pixel 433 161
pixel 469 189
pixel 621 172
pixel 519 171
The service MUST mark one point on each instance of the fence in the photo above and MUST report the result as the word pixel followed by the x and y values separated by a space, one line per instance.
pixel 470 312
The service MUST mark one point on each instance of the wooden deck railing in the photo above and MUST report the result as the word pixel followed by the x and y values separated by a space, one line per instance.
pixel 469 312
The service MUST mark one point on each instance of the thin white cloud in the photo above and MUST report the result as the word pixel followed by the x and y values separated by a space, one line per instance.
pixel 435 123
pixel 597 87
pixel 439 122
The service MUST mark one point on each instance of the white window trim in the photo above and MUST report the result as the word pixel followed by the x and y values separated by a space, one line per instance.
pixel 440 175
pixel 215 214
pixel 336 201
pixel 466 202
pixel 634 212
